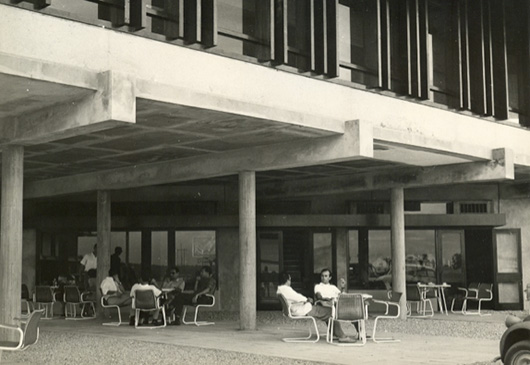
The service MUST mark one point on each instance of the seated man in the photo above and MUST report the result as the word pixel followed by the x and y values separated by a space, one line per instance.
pixel 326 292
pixel 145 285
pixel 114 293
pixel 205 284
pixel 302 306
pixel 174 281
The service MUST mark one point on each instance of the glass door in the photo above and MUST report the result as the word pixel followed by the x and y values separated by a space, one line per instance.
pixel 270 262
pixel 507 288
pixel 451 253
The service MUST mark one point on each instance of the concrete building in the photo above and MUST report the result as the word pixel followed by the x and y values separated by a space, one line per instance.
pixel 386 140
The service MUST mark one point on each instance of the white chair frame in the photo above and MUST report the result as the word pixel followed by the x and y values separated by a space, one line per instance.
pixel 72 313
pixel 466 312
pixel 288 313
pixel 156 307
pixel 107 306
pixel 361 322
pixel 195 322
pixel 385 316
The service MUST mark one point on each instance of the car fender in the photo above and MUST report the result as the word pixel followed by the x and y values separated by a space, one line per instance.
pixel 517 332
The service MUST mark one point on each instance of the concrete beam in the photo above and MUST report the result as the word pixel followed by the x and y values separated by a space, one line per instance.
pixel 500 167
pixel 113 102
pixel 355 143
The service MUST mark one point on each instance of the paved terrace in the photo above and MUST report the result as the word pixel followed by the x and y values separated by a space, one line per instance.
pixel 452 339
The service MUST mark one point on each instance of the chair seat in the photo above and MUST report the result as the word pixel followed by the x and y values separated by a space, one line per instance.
pixel 8 344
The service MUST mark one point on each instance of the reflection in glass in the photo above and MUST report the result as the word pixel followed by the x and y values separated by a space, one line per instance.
pixel 509 293
pixel 194 249
pixel 379 260
pixel 507 252
pixel 270 246
pixel 453 270
pixel 420 256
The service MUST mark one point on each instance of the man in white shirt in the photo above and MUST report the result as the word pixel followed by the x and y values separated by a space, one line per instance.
pixel 303 306
pixel 144 285
pixel 326 292
pixel 115 294
pixel 90 264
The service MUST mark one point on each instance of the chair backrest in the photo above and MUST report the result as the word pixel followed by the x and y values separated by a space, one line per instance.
pixel 25 292
pixel 285 306
pixel 473 285
pixel 44 294
pixel 145 299
pixel 394 296
pixel 413 293
pixel 31 331
pixel 350 306
pixel 484 290
pixel 71 294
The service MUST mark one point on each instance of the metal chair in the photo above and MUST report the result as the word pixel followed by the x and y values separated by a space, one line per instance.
pixel 145 301
pixel 393 302
pixel 105 304
pixel 350 307
pixel 484 293
pixel 417 296
pixel 471 292
pixel 197 306
pixel 44 298
pixel 74 299
pixel 28 334
pixel 286 309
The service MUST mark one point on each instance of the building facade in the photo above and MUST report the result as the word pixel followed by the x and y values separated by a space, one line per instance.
pixel 385 140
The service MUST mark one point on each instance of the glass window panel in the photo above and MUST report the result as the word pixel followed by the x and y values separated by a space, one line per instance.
pixel 159 248
pixel 85 244
pixel 194 249
pixel 355 279
pixel 78 8
pixel 135 248
pixel 509 293
pixel 453 266
pixel 118 239
pixel 379 259
pixel 420 258
pixel 322 250
pixel 353 246
pixel 270 246
pixel 507 252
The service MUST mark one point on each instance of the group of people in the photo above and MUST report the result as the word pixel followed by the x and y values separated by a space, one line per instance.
pixel 325 294
pixel 175 299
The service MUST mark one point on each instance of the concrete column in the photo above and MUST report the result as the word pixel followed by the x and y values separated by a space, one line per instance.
pixel 103 226
pixel 397 227
pixel 247 250
pixel 11 236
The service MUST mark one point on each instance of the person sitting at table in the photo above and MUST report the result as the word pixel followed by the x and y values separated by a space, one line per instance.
pixel 205 284
pixel 174 281
pixel 303 306
pixel 325 292
pixel 146 284
pixel 115 294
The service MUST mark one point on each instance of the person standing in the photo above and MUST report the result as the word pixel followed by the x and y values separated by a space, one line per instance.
pixel 115 260
pixel 90 264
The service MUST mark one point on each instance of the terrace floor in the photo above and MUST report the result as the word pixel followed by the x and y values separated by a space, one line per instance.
pixel 443 339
